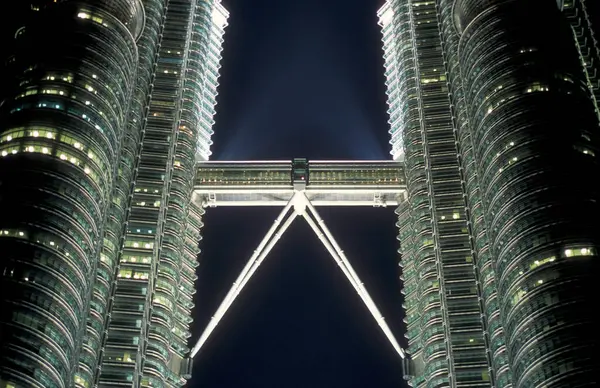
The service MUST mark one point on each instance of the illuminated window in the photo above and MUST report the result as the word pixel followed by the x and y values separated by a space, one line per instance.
pixel 537 87
pixel 81 381
pixel 585 151
pixel 518 296
pixel 538 263
pixel 573 252
pixel 161 300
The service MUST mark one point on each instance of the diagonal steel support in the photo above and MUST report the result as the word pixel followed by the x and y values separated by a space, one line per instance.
pixel 340 258
pixel 261 252
pixel 301 206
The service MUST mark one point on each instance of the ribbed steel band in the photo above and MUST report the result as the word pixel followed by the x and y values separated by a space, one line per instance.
pixel 60 136
pixel 535 140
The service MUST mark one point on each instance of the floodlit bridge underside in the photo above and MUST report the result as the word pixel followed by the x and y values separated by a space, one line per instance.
pixel 299 186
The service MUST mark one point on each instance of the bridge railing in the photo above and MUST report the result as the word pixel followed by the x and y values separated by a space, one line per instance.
pixel 267 173
pixel 356 173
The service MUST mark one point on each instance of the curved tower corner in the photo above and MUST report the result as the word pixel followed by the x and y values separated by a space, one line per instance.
pixel 446 334
pixel 534 134
pixel 146 340
pixel 61 132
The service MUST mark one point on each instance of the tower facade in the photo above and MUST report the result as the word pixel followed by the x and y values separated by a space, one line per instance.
pixel 111 105
pixel 516 97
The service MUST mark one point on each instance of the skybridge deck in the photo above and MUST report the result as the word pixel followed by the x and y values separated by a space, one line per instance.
pixel 325 183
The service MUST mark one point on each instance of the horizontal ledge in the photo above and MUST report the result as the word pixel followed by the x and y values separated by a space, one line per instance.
pixel 333 190
pixel 290 161
pixel 314 203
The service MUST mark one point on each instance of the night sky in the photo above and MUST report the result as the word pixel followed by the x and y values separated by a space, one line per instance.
pixel 300 79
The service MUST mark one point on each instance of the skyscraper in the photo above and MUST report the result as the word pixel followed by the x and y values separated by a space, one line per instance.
pixel 492 107
pixel 111 105
pixel 492 110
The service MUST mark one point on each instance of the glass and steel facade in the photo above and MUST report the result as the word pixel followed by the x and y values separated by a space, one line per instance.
pixel 496 342
pixel 111 106
pixel 61 133
pixel 579 14
pixel 104 287
pixel 519 81
pixel 442 298
pixel 528 152
pixel 148 333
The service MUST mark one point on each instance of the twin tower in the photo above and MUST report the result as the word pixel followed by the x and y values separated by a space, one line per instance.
pixel 105 128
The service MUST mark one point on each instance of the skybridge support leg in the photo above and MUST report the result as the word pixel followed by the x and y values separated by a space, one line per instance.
pixel 301 206
pixel 261 252
pixel 338 255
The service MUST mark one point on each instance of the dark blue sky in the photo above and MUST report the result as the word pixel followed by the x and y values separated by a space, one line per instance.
pixel 300 79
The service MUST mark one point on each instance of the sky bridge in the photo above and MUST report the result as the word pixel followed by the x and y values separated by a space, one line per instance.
pixel 325 183
pixel 299 186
